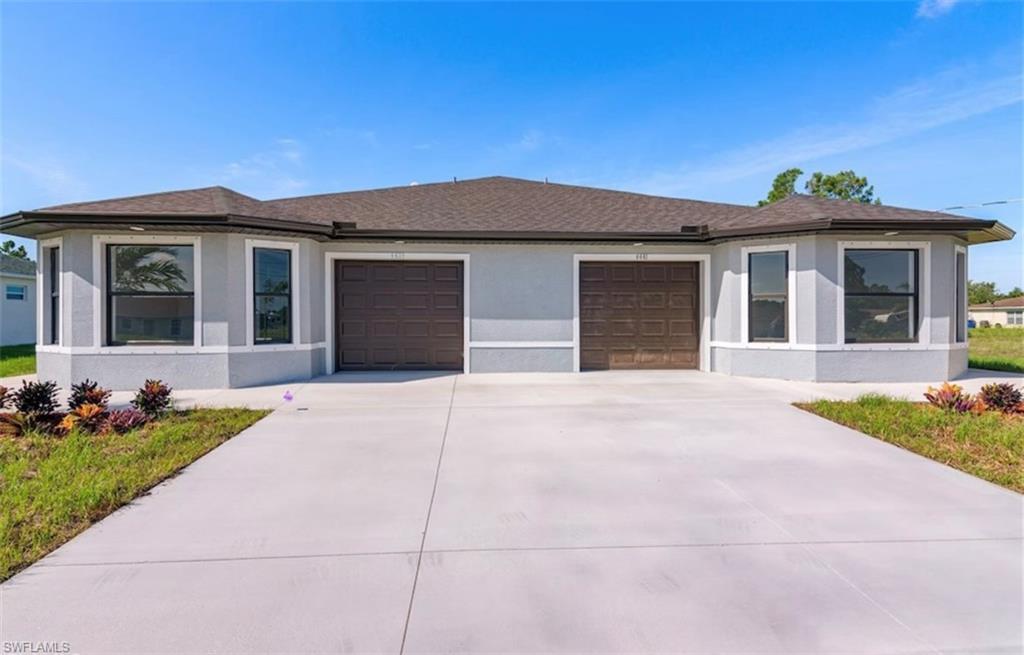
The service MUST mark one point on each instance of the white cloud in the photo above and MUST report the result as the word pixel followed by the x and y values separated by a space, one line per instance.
pixel 529 141
pixel 935 8
pixel 49 174
pixel 273 172
pixel 951 96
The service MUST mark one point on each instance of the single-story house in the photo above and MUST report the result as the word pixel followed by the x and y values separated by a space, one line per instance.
pixel 212 288
pixel 1008 312
pixel 18 304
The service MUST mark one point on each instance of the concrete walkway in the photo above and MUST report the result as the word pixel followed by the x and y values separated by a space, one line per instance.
pixel 612 512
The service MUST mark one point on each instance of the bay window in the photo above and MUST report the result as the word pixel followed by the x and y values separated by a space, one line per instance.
pixel 881 295
pixel 150 294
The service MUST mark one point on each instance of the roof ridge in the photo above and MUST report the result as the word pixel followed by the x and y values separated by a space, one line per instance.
pixel 412 185
pixel 514 179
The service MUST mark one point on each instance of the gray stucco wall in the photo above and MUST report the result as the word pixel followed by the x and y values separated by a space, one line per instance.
pixel 518 293
pixel 17 317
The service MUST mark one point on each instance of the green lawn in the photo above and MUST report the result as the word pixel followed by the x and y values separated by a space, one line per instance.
pixel 17 360
pixel 998 349
pixel 989 446
pixel 52 488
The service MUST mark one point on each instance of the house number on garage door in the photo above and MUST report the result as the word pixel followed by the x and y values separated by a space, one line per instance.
pixel 641 256
pixel 396 255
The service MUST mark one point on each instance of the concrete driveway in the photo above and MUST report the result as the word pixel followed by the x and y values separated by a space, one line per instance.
pixel 613 512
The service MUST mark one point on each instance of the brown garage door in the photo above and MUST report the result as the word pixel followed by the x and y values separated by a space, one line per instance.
pixel 639 315
pixel 398 315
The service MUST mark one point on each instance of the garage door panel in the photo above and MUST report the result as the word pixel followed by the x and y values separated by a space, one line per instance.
pixel 416 301
pixel 399 315
pixel 353 272
pixel 623 272
pixel 654 273
pixel 385 272
pixel 352 300
pixel 447 272
pixel 415 272
pixel 683 328
pixel 639 315
pixel 682 301
pixel 447 329
pixel 416 329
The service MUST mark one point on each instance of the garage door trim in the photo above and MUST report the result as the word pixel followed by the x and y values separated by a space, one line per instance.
pixel 329 314
pixel 703 260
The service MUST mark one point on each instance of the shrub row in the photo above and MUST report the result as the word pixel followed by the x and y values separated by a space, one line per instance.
pixel 36 408
pixel 997 396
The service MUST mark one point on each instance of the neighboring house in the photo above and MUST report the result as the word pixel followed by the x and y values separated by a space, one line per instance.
pixel 1007 312
pixel 211 288
pixel 18 303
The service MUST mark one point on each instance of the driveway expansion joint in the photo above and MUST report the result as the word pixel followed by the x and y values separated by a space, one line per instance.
pixel 426 522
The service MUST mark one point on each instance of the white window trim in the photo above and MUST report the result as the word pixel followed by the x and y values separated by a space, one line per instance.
pixel 41 267
pixel 330 257
pixel 24 292
pixel 745 252
pixel 250 301
pixel 957 250
pixel 99 241
pixel 703 273
pixel 924 333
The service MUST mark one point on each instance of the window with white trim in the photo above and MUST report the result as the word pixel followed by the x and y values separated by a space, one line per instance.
pixel 150 294
pixel 961 292
pixel 272 295
pixel 15 292
pixel 1015 317
pixel 881 303
pixel 768 296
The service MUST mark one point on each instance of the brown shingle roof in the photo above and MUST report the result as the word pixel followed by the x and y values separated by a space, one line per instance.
pixel 1004 303
pixel 214 200
pixel 504 204
pixel 501 205
pixel 800 208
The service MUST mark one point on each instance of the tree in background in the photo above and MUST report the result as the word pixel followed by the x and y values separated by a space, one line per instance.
pixel 844 185
pixel 783 186
pixel 979 293
pixel 8 248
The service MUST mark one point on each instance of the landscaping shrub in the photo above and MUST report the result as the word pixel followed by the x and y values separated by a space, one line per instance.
pixel 125 420
pixel 1002 396
pixel 951 398
pixel 153 399
pixel 12 425
pixel 88 392
pixel 5 396
pixel 35 399
pixel 87 416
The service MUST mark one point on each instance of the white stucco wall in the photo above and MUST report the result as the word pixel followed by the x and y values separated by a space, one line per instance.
pixel 17 317
pixel 521 303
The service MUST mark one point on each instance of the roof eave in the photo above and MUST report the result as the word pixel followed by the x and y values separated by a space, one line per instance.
pixel 974 231
pixel 687 234
pixel 22 223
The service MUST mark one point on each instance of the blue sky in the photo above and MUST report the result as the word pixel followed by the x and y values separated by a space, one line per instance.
pixel 696 100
